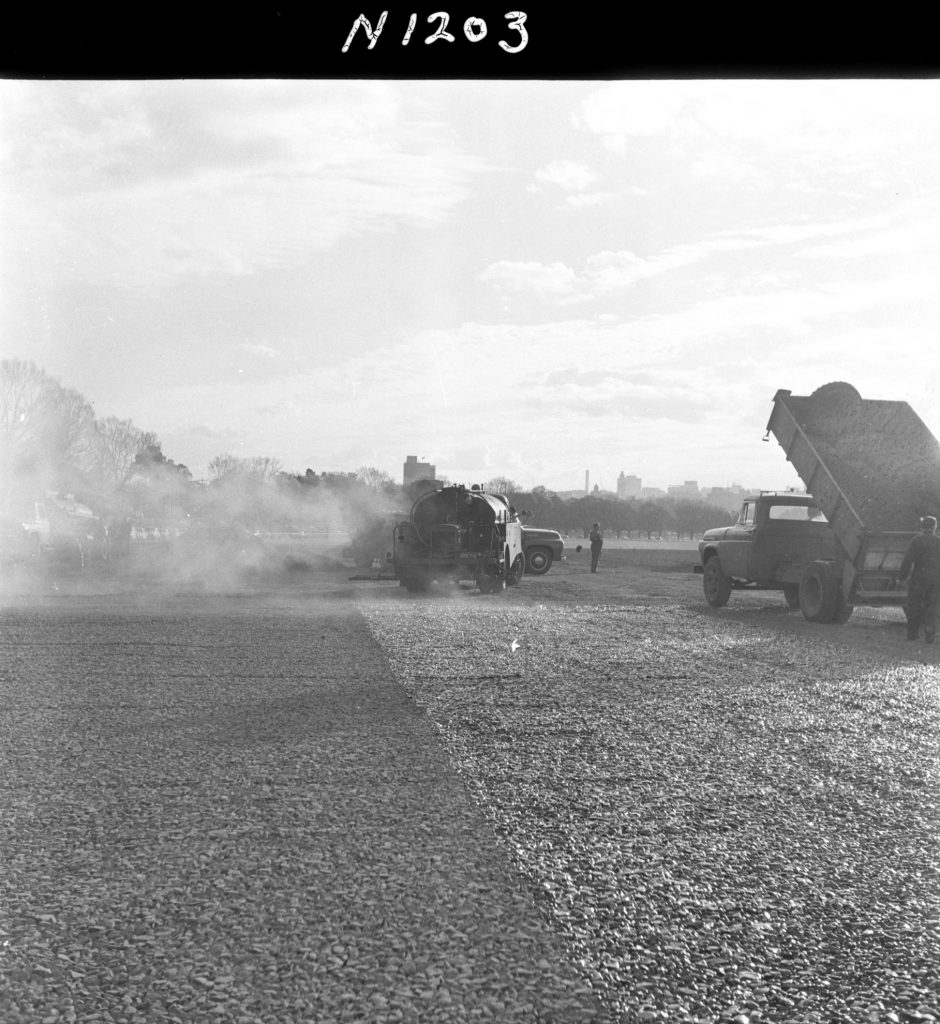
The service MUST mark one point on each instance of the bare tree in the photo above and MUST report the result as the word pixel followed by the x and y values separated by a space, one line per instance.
pixel 372 477
pixel 117 444
pixel 261 467
pixel 502 485
pixel 25 391
pixel 43 426
pixel 222 465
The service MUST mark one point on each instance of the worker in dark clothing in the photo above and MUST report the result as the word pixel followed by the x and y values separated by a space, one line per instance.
pixel 597 542
pixel 922 561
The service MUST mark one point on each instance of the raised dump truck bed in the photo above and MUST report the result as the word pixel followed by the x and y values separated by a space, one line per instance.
pixel 873 467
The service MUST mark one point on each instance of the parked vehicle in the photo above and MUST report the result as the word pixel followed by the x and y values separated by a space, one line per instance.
pixel 872 468
pixel 541 548
pixel 767 548
pixel 14 541
pixel 60 524
pixel 456 534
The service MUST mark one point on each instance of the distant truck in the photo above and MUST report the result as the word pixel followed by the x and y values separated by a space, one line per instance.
pixel 871 469
pixel 60 524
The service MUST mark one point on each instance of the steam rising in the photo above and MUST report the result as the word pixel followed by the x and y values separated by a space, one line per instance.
pixel 98 499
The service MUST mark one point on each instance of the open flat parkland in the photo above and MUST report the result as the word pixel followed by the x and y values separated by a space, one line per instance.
pixel 239 787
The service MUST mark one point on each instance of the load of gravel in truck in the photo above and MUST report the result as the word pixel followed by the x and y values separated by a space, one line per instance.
pixel 880 453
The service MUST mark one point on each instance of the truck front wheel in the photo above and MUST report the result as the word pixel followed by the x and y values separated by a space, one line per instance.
pixel 516 570
pixel 819 593
pixel 716 584
pixel 538 561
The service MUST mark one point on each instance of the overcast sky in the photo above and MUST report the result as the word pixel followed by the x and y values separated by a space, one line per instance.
pixel 528 279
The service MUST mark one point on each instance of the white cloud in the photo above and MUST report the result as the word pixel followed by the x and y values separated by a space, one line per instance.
pixel 569 175
pixel 909 234
pixel 583 200
pixel 543 279
pixel 259 350
pixel 603 273
pixel 832 117
pixel 148 182
pixel 819 138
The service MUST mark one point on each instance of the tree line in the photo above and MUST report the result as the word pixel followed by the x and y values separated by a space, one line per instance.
pixel 52 440
pixel 646 517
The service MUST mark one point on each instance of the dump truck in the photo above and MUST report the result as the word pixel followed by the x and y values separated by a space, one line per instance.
pixel 871 469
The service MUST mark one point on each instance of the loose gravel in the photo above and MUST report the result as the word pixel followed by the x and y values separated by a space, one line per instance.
pixel 241 817
pixel 727 822
pixel 591 799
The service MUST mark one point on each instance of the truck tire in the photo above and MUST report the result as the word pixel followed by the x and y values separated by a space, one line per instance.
pixel 491 584
pixel 791 592
pixel 415 584
pixel 715 583
pixel 538 561
pixel 514 576
pixel 843 611
pixel 819 592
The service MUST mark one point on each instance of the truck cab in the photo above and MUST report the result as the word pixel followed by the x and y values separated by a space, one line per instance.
pixel 59 524
pixel 768 547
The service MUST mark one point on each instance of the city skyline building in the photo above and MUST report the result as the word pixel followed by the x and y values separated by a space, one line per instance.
pixel 413 471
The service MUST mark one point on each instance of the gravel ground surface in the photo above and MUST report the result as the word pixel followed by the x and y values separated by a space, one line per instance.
pixel 240 816
pixel 592 798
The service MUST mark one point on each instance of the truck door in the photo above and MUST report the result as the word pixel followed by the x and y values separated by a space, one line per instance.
pixel 735 547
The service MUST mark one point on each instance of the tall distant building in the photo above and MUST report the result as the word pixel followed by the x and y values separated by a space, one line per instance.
pixel 413 471
pixel 628 486
pixel 689 489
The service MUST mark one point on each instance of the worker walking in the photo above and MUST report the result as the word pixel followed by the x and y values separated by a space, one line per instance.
pixel 922 561
pixel 597 542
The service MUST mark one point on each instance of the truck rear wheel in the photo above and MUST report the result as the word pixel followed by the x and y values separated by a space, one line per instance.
pixel 843 611
pixel 415 584
pixel 819 593
pixel 716 584
pixel 538 561
pixel 491 584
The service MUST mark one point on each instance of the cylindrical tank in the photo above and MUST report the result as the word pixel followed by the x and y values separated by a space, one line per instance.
pixel 456 506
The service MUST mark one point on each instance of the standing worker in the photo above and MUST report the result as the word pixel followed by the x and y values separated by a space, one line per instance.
pixel 922 561
pixel 597 542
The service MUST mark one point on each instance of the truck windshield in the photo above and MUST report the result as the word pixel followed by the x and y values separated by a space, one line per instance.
pixel 800 513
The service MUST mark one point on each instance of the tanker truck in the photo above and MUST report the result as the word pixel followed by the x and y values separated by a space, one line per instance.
pixel 456 534
pixel 871 469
